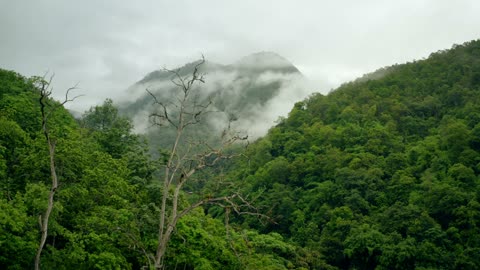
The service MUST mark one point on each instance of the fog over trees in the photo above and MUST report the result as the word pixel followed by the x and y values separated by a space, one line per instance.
pixel 380 173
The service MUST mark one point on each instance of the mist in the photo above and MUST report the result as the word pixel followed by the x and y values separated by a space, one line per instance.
pixel 254 91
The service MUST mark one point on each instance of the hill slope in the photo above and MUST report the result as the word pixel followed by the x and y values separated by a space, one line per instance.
pixel 382 173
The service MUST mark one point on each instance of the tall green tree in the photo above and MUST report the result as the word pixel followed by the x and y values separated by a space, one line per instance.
pixel 112 131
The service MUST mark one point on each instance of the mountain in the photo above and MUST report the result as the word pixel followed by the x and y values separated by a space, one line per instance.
pixel 381 173
pixel 253 91
pixel 262 61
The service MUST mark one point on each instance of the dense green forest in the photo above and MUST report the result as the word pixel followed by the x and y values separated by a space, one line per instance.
pixel 382 173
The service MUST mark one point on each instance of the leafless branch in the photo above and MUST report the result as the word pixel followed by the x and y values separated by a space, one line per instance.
pixel 186 158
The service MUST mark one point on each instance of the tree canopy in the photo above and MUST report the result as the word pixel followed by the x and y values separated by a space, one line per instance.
pixel 381 173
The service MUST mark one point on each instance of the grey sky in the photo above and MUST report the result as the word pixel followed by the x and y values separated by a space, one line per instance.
pixel 106 46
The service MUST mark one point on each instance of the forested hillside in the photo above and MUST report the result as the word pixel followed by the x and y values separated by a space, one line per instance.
pixel 383 172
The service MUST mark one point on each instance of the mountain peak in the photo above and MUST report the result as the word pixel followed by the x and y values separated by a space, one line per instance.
pixel 266 60
pixel 260 61
pixel 186 69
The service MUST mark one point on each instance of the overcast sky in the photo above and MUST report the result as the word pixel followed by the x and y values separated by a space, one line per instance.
pixel 106 46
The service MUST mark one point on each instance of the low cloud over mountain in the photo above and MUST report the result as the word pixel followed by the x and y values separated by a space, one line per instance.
pixel 253 92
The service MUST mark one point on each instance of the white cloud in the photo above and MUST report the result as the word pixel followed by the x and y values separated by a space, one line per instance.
pixel 108 45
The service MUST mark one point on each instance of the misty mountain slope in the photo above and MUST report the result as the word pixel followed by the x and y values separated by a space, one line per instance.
pixel 253 92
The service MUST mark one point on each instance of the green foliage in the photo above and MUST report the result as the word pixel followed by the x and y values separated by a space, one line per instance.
pixel 17 234
pixel 382 173
pixel 111 131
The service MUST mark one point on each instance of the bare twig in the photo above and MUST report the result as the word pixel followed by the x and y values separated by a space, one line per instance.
pixel 186 159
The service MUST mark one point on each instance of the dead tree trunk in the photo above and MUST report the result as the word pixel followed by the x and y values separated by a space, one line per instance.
pixel 44 221
pixel 186 114
pixel 45 93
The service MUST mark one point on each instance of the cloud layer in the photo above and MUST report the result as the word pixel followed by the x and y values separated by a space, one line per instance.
pixel 107 45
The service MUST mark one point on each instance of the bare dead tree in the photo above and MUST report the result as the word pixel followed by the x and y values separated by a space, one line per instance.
pixel 185 159
pixel 47 108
